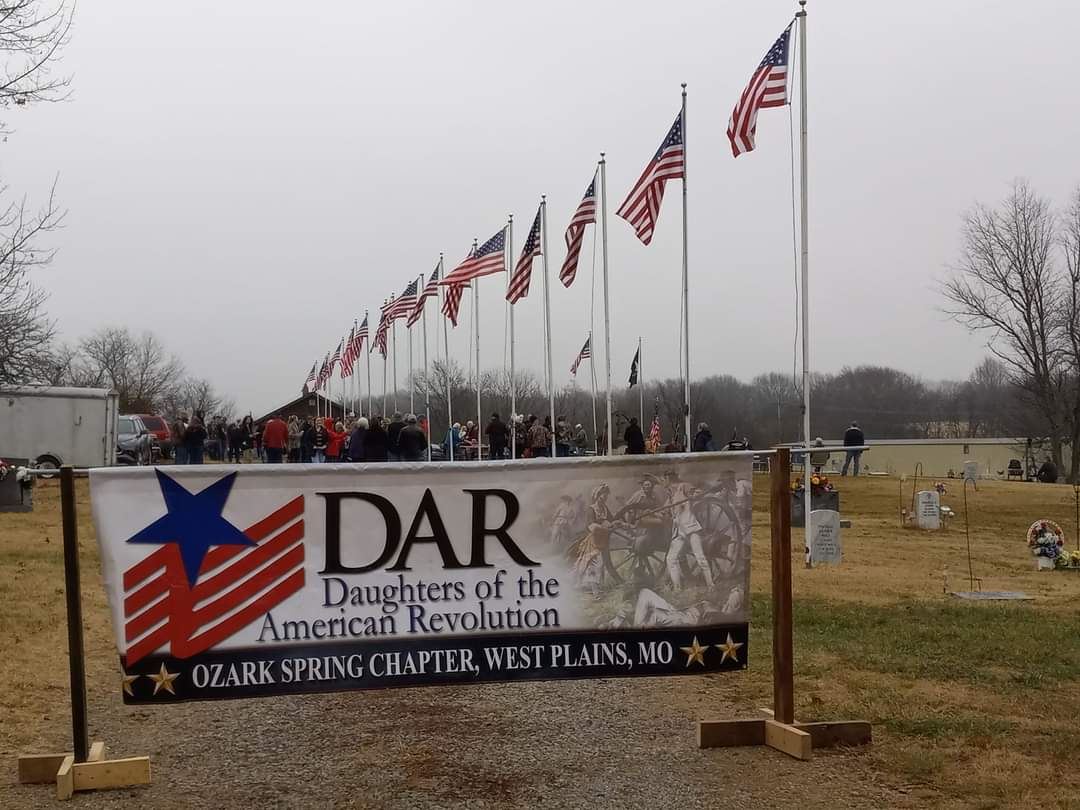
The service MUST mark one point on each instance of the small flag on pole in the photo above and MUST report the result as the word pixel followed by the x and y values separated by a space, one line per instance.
pixel 575 233
pixel 634 368
pixel 482 261
pixel 641 208
pixel 652 444
pixel 767 88
pixel 519 282
pixel 584 354
pixel 348 357
pixel 431 290
pixel 312 376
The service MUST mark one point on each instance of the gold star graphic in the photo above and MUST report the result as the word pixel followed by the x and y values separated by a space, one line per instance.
pixel 127 680
pixel 730 649
pixel 164 680
pixel 695 652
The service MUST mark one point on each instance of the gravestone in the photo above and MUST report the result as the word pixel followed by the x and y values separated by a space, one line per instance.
pixel 825 536
pixel 928 510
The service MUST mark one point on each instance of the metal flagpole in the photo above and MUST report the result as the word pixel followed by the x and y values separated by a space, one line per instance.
pixel 412 385
pixel 427 378
pixel 476 321
pixel 607 308
pixel 384 386
pixel 446 367
pixel 803 222
pixel 592 376
pixel 368 364
pixel 685 288
pixel 513 386
pixel 640 385
pixel 393 348
pixel 547 313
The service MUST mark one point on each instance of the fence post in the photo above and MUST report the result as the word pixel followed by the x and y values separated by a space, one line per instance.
pixel 780 527
pixel 73 596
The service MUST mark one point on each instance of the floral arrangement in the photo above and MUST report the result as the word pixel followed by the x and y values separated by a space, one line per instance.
pixel 1046 539
pixel 1067 559
pixel 940 487
pixel 5 468
pixel 819 484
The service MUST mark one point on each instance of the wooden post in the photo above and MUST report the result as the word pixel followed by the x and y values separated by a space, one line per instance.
pixel 780 527
pixel 84 768
pixel 73 596
pixel 780 730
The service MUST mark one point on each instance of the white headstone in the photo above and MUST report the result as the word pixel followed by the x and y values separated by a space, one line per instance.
pixel 928 509
pixel 971 471
pixel 825 536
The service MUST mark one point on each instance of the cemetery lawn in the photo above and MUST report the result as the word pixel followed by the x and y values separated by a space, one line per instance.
pixel 973 705
pixel 976 700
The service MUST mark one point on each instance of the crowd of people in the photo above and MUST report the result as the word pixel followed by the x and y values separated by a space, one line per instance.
pixel 402 437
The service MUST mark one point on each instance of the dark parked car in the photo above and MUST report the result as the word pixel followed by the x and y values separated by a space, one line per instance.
pixel 134 440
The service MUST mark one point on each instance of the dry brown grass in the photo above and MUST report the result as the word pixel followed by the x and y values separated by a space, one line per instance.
pixel 976 701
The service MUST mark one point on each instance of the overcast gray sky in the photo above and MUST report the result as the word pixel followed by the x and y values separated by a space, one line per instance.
pixel 245 178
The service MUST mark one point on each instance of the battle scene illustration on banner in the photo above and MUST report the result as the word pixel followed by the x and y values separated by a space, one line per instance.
pixel 228 582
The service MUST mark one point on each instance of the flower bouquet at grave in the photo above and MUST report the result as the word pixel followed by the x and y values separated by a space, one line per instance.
pixel 1068 559
pixel 1046 539
pixel 5 468
pixel 819 485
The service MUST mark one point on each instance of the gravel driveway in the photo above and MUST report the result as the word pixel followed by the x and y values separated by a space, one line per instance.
pixel 626 743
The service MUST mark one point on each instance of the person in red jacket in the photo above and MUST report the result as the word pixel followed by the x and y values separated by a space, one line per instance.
pixel 336 435
pixel 275 439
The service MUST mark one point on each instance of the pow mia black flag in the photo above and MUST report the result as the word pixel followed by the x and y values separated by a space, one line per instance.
pixel 634 368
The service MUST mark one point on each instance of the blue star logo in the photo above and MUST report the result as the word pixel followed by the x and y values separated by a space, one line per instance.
pixel 193 522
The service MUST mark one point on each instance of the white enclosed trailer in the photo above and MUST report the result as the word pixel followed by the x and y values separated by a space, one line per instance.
pixel 54 426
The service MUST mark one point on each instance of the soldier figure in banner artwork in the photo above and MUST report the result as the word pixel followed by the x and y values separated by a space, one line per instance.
pixel 593 552
pixel 686 530
pixel 562 523
pixel 643 512
pixel 644 607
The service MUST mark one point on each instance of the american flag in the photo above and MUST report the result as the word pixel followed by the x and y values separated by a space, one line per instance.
pixel 348 357
pixel 642 205
pixel 519 282
pixel 404 303
pixel 312 376
pixel 380 334
pixel 452 301
pixel 431 290
pixel 324 372
pixel 361 335
pixel 767 88
pixel 584 354
pixel 236 586
pixel 489 258
pixel 336 358
pixel 575 233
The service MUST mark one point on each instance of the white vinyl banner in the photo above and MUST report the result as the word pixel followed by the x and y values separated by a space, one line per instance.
pixel 240 581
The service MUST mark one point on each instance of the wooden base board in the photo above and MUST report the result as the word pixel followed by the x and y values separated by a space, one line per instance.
pixel 97 773
pixel 796 739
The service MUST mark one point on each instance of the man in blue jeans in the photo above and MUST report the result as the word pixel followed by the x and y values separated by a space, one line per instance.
pixel 853 437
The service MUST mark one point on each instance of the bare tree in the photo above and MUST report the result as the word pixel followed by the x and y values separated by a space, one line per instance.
pixel 32 33
pixel 138 368
pixel 1069 316
pixel 1007 284
pixel 25 331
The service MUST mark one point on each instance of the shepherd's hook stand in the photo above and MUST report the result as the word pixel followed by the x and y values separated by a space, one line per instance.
pixel 780 730
pixel 84 768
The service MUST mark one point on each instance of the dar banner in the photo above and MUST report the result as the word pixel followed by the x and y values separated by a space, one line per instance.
pixel 232 582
